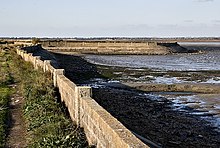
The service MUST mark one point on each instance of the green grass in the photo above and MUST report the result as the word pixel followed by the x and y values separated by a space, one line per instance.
pixel 46 117
pixel 48 124
pixel 5 91
pixel 4 97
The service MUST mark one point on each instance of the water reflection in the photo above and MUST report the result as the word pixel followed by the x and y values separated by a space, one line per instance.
pixel 179 62
pixel 204 105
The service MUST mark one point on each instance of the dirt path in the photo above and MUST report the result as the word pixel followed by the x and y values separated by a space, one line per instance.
pixel 17 131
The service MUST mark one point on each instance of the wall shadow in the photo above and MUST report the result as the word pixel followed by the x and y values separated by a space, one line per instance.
pixel 152 118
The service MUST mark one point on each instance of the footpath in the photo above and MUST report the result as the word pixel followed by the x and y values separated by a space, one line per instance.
pixel 31 114
pixel 14 131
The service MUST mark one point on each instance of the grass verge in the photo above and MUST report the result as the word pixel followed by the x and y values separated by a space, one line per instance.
pixel 4 97
pixel 47 123
pixel 5 91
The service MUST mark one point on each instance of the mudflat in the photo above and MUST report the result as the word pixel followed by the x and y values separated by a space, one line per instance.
pixel 152 117
pixel 155 120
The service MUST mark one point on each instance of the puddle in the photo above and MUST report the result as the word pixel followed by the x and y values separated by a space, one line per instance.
pixel 100 83
pixel 190 68
pixel 167 80
pixel 215 80
pixel 205 105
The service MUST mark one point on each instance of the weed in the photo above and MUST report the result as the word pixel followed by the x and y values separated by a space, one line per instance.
pixel 4 97
pixel 5 91
pixel 47 124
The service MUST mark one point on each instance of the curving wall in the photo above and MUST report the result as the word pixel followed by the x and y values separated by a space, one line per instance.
pixel 102 129
pixel 113 47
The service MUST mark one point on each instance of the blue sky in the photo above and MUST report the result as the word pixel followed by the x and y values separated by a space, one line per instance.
pixel 98 18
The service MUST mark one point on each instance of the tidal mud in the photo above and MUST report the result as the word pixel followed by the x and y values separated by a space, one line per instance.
pixel 149 115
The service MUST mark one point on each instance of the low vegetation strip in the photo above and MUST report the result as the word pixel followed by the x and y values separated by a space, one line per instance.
pixel 5 91
pixel 48 125
pixel 4 95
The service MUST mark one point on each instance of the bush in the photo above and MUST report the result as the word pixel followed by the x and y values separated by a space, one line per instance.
pixel 35 41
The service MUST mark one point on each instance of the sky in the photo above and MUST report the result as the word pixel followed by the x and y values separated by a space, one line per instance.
pixel 110 18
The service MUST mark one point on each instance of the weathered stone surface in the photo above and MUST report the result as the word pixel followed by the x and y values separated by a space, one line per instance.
pixel 114 47
pixel 101 129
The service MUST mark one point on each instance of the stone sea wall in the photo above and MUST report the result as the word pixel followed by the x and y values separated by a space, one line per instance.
pixel 101 128
pixel 114 47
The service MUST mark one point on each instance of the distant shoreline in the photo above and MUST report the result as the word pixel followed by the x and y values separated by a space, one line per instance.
pixel 152 39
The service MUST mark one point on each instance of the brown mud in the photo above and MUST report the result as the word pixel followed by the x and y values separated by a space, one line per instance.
pixel 152 119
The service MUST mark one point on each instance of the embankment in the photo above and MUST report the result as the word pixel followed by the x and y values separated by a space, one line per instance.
pixel 114 47
pixel 102 129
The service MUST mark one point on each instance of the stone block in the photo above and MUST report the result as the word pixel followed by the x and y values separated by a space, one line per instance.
pixel 40 63
pixel 46 63
pixel 84 91
pixel 55 73
pixel 35 61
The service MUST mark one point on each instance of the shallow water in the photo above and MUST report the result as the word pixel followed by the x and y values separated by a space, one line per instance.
pixel 200 43
pixel 205 106
pixel 210 60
